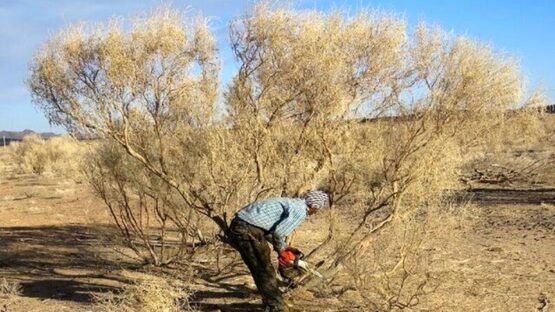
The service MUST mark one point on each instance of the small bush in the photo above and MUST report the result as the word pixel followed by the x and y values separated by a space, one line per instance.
pixel 394 273
pixel 149 294
pixel 59 155
pixel 9 288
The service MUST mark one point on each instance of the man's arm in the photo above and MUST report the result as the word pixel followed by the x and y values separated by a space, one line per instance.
pixel 278 242
pixel 277 238
pixel 283 228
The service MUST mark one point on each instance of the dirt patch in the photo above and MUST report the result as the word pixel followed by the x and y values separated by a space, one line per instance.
pixel 511 196
pixel 60 263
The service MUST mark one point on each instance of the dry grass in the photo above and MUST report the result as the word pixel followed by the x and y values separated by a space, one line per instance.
pixel 394 274
pixel 9 294
pixel 60 156
pixel 6 163
pixel 148 294
pixel 515 158
pixel 9 288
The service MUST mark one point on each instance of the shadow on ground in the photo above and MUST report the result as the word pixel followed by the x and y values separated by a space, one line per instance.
pixel 511 196
pixel 71 263
pixel 229 300
pixel 531 207
pixel 59 262
pixel 230 307
pixel 63 289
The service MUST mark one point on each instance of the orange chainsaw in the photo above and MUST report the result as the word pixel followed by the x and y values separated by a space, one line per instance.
pixel 292 267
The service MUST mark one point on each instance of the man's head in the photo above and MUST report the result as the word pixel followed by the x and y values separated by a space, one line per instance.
pixel 315 200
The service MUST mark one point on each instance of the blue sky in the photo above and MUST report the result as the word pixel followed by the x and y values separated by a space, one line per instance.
pixel 523 29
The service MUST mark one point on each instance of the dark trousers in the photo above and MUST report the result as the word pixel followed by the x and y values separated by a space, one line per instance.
pixel 250 242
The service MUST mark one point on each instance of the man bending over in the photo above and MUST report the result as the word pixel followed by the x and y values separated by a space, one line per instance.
pixel 271 221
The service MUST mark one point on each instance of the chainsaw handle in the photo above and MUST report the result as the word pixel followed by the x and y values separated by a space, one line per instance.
pixel 290 257
pixel 299 254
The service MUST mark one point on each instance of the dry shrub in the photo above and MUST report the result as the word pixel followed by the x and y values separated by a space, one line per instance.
pixel 9 288
pixel 59 155
pixel 511 168
pixel 148 294
pixel 518 156
pixel 394 273
pixel 145 210
pixel 6 167
pixel 379 117
pixel 9 293
pixel 66 154
pixel 30 154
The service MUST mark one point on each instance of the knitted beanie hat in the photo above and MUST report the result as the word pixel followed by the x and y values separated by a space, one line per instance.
pixel 315 199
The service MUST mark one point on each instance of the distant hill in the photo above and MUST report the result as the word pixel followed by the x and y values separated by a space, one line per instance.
pixel 11 136
pixel 18 135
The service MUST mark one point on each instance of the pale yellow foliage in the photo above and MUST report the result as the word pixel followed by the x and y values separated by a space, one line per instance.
pixel 58 155
pixel 101 73
pixel 379 117
pixel 9 288
pixel 148 294
pixel 302 63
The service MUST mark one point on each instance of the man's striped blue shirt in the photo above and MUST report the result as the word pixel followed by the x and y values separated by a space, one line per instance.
pixel 279 216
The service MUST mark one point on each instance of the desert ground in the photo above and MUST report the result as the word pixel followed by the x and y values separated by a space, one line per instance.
pixel 54 255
